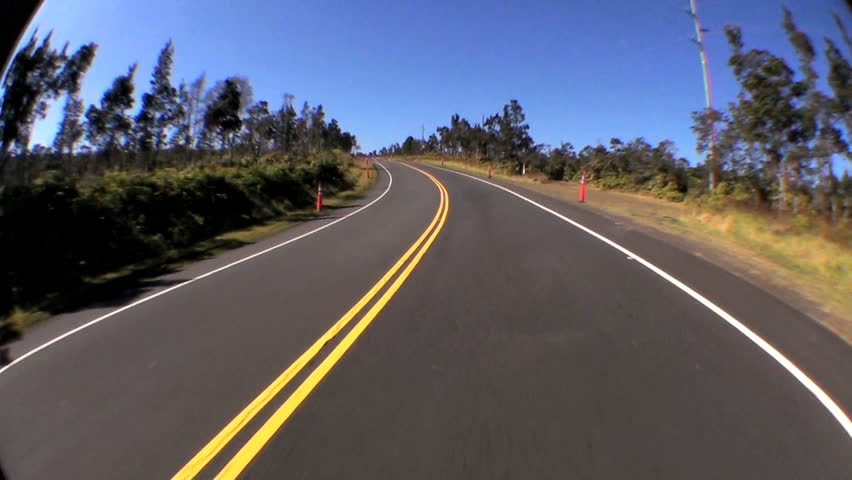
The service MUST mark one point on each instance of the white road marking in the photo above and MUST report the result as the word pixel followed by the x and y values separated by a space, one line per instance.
pixel 806 381
pixel 193 280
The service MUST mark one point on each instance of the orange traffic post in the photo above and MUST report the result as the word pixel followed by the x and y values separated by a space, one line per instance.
pixel 319 196
pixel 489 170
pixel 582 187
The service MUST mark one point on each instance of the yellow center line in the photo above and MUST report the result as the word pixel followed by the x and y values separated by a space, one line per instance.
pixel 212 448
pixel 253 446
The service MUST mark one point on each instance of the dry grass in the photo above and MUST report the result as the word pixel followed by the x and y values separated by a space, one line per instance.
pixel 782 255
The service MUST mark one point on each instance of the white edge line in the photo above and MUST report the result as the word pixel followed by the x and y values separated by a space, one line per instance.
pixel 193 280
pixel 806 381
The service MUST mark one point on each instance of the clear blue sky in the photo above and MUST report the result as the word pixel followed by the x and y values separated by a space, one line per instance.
pixel 584 70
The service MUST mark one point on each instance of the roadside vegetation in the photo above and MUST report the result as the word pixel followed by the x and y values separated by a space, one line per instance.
pixel 782 146
pixel 122 190
pixel 774 185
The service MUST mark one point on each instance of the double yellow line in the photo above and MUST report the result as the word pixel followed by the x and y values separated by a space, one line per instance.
pixel 253 446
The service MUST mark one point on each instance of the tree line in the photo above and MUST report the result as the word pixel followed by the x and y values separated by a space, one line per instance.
pixel 174 125
pixel 106 195
pixel 780 145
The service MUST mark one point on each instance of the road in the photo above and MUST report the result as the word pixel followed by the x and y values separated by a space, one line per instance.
pixel 438 329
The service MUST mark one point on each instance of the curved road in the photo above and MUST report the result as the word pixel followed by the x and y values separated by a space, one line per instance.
pixel 448 330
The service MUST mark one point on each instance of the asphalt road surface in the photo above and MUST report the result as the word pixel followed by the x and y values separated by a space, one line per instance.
pixel 440 328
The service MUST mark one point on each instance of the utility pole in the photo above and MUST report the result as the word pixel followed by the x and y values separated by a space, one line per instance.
pixel 698 40
pixel 422 133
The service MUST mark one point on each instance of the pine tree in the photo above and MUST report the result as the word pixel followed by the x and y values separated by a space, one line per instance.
pixel 109 126
pixel 840 81
pixel 181 118
pixel 159 106
pixel 302 129
pixel 809 110
pixel 285 125
pixel 32 80
pixel 514 138
pixel 259 128
pixel 843 32
pixel 838 111
pixel 223 115
pixel 192 115
pixel 706 127
pixel 317 127
pixel 70 129
pixel 768 105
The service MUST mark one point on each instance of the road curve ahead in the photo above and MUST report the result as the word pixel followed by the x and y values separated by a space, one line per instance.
pixel 450 329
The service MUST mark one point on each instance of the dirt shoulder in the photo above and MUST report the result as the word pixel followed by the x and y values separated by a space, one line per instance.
pixel 803 270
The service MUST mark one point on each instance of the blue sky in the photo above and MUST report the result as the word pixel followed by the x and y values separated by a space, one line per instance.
pixel 584 70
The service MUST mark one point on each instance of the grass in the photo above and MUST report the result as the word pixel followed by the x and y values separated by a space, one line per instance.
pixel 131 279
pixel 783 255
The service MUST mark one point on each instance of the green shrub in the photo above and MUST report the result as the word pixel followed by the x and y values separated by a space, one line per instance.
pixel 613 182
pixel 59 230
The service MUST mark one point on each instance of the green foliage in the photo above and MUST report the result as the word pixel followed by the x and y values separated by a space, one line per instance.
pixel 70 129
pixel 32 80
pixel 147 183
pixel 223 115
pixel 160 108
pixel 502 137
pixel 174 126
pixel 410 146
pixel 58 230
pixel 110 124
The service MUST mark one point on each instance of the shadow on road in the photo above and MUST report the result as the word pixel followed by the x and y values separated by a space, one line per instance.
pixel 118 289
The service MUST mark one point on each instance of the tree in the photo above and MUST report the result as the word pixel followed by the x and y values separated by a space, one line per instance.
pixel 335 138
pixel 242 85
pixel 843 32
pixel 70 129
pixel 432 144
pixel 109 125
pixel 302 129
pixel 31 81
pixel 285 125
pixel 410 147
pixel 705 125
pixel 316 128
pixel 768 104
pixel 444 142
pixel 223 115
pixel 259 128
pixel 831 141
pixel 189 122
pixel 513 137
pixel 840 81
pixel 159 110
